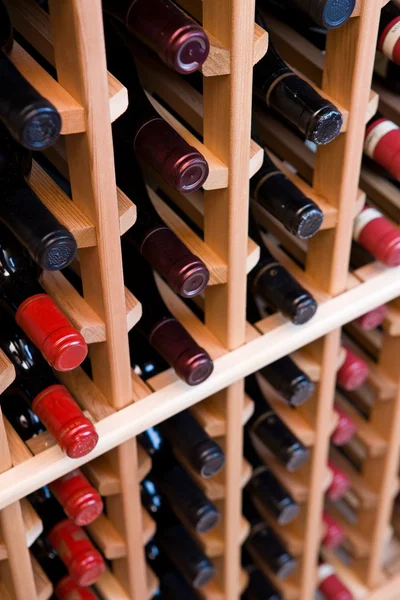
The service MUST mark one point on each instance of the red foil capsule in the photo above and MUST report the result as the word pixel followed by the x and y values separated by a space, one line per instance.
pixel 340 482
pixel 49 329
pixel 84 563
pixel 372 319
pixel 389 41
pixel 382 144
pixel 68 589
pixel 334 534
pixel 63 418
pixel 80 500
pixel 345 429
pixel 181 165
pixel 191 362
pixel 177 39
pixel 184 271
pixel 378 235
pixel 330 585
pixel 353 372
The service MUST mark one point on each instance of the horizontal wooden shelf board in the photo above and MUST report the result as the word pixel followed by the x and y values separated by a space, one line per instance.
pixel 7 372
pixel 78 311
pixel 109 587
pixel 33 527
pixel 177 396
pixel 214 591
pixel 44 587
pixel 34 24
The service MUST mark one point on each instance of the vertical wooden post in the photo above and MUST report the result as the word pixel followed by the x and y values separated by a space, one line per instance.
pixel 82 71
pixel 227 118
pixel 349 60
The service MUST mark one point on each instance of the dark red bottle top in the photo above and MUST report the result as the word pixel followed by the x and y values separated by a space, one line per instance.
pixel 84 563
pixel 340 482
pixel 353 372
pixel 334 533
pixel 330 585
pixel 61 344
pixel 379 236
pixel 382 144
pixel 68 589
pixel 74 433
pixel 373 318
pixel 81 501
pixel 345 429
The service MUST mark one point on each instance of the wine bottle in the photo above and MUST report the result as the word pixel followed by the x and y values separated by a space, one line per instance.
pixel 145 361
pixel 65 588
pixel 32 120
pixel 293 385
pixel 48 242
pixel 278 88
pixel 353 372
pixel 80 500
pixel 382 144
pixel 181 548
pixel 263 543
pixel 333 532
pixel 286 202
pixel 36 313
pixel 389 32
pixel 329 584
pixel 84 563
pixel 373 318
pixel 184 496
pixel 185 273
pixel 276 286
pixel 266 490
pixel 345 428
pixel 178 40
pixel 327 13
pixel 340 483
pixel 176 346
pixel 20 415
pixel 378 236
pixel 41 390
pixel 172 585
pixel 267 429
pixel 259 586
pixel 155 142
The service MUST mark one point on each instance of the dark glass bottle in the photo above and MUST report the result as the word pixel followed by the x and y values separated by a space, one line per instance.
pixel 172 585
pixel 268 430
pixel 41 390
pixel 286 202
pixel 281 90
pixel 20 415
pixel 185 273
pixel 48 242
pixel 268 490
pixel 289 381
pixel 259 587
pixel 36 313
pixel 389 32
pixel 262 542
pixel 177 39
pixel 84 563
pixel 276 286
pixel 65 587
pixel 185 497
pixel 155 142
pixel 174 539
pixel 32 120
pixel 328 13
pixel 191 362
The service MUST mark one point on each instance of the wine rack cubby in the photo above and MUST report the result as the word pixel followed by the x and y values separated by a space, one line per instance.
pixel 116 399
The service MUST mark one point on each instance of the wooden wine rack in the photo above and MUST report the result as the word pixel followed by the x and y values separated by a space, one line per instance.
pixel 116 399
